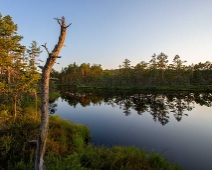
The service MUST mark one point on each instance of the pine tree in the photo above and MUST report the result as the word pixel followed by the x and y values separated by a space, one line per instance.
pixel 16 73
pixel 10 47
pixel 33 53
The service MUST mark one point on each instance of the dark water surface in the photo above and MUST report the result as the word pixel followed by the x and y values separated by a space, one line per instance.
pixel 177 125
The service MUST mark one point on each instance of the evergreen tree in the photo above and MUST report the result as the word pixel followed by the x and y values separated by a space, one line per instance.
pixel 153 68
pixel 10 48
pixel 16 73
pixel 33 53
pixel 179 68
pixel 162 64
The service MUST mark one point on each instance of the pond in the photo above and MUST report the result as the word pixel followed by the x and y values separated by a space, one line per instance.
pixel 177 125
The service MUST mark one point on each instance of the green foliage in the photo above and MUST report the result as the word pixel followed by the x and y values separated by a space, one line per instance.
pixel 16 151
pixel 116 158
pixel 10 48
pixel 14 137
pixel 68 148
pixel 17 71
pixel 4 113
pixel 156 73
pixel 33 52
pixel 53 96
pixel 65 137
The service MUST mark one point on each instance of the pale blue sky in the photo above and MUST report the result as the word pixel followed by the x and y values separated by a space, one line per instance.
pixel 107 32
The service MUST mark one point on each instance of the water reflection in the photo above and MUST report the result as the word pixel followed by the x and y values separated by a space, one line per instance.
pixel 158 105
pixel 134 123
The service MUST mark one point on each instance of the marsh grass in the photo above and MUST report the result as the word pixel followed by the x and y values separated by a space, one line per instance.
pixel 115 158
pixel 194 88
pixel 68 147
pixel 53 96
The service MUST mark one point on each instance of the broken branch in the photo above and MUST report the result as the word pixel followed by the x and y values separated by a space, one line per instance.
pixel 45 48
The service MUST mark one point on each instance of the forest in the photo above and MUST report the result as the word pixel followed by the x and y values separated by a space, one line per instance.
pixel 156 72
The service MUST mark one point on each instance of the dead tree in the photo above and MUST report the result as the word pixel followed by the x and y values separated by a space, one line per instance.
pixel 44 126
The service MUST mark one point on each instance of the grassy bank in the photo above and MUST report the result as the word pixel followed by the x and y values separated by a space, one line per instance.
pixel 68 147
pixel 156 88
pixel 17 152
pixel 53 96
pixel 193 88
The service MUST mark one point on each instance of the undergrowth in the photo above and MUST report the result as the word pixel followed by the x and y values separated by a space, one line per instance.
pixel 68 147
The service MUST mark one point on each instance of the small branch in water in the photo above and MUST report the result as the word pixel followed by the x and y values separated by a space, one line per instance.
pixel 164 151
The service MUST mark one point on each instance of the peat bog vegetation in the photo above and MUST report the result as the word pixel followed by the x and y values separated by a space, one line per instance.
pixel 68 145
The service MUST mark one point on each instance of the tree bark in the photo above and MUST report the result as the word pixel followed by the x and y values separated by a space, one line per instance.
pixel 44 126
pixel 15 105
pixel 36 104
pixel 8 73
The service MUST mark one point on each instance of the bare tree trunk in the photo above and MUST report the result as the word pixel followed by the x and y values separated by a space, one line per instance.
pixel 36 103
pixel 8 73
pixel 15 105
pixel 43 131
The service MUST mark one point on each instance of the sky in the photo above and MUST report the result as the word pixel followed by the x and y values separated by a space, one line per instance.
pixel 107 32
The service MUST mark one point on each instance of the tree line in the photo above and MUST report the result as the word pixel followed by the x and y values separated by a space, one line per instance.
pixel 156 72
pixel 18 70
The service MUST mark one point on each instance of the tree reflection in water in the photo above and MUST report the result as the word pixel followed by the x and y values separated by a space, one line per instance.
pixel 158 105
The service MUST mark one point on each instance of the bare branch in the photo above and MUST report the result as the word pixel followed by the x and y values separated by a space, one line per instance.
pixel 45 48
pixel 68 25
pixel 41 67
pixel 62 23
pixel 59 21
pixel 56 57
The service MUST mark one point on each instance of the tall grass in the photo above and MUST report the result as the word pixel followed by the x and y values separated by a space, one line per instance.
pixel 68 147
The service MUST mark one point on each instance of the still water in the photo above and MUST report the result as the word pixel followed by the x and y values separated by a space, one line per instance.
pixel 177 125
